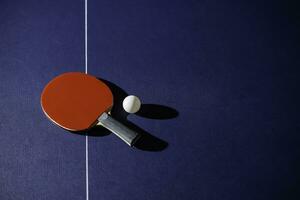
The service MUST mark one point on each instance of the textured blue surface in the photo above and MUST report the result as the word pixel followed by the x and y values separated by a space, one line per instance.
pixel 219 78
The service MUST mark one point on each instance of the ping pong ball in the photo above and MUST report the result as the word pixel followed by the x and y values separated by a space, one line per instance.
pixel 131 104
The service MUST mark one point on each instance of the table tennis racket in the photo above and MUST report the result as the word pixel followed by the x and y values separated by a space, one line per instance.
pixel 77 101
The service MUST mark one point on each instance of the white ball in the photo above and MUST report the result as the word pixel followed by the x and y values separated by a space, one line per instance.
pixel 131 104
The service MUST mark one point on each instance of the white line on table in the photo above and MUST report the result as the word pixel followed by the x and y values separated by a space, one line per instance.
pixel 86 137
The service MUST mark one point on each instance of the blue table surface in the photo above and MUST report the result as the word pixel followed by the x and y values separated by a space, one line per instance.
pixel 219 82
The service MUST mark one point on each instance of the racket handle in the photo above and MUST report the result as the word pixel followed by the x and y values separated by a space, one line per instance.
pixel 127 135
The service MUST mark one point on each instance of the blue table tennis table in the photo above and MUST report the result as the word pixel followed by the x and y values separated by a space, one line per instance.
pixel 219 83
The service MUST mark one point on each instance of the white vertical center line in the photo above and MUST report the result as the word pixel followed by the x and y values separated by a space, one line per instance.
pixel 86 71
